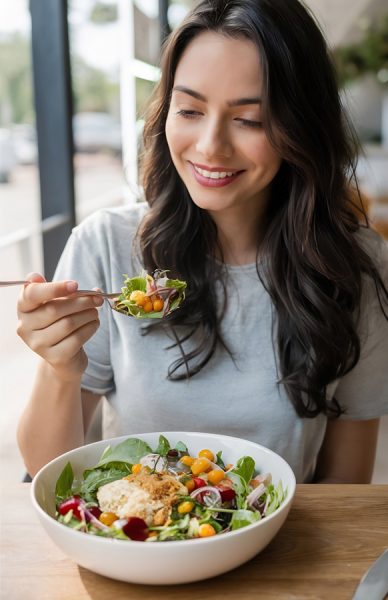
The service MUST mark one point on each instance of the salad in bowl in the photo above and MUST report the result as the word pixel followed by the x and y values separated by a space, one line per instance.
pixel 168 507
pixel 138 493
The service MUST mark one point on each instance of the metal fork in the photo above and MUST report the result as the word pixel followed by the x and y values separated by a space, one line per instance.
pixel 106 295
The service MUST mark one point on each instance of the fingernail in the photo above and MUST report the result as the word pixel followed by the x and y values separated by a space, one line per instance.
pixel 98 300
pixel 71 286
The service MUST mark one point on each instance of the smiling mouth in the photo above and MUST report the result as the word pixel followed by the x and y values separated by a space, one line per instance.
pixel 214 177
pixel 214 174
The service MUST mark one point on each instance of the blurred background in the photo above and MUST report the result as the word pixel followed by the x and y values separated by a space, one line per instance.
pixel 75 78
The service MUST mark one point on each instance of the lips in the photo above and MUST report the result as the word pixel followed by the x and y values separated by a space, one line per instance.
pixel 214 176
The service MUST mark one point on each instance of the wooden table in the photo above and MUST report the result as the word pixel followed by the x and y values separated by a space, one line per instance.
pixel 332 535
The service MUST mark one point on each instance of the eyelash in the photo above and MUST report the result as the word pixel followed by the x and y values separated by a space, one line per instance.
pixel 192 114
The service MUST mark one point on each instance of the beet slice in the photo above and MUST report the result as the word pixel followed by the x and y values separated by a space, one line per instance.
pixel 136 529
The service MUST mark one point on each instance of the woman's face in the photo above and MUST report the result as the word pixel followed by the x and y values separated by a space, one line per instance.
pixel 214 126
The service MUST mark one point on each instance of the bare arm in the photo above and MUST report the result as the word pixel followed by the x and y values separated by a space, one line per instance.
pixel 55 325
pixel 348 452
pixel 55 420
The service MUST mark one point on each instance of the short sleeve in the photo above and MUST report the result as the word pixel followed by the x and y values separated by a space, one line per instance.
pixel 363 392
pixel 81 262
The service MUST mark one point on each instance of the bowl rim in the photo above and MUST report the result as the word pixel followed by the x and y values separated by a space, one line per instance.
pixel 213 539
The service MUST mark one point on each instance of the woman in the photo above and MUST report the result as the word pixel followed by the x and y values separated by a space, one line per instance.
pixel 282 338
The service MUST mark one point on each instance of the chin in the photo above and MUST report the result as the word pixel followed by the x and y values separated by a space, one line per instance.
pixel 210 204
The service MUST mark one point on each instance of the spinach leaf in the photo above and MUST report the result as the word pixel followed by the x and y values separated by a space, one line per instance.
pixel 95 478
pixel 163 446
pixel 64 483
pixel 129 451
pixel 219 460
pixel 181 447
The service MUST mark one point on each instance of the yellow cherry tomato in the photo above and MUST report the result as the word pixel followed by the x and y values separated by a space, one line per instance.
pixel 158 305
pixel 188 482
pixel 148 307
pixel 107 518
pixel 201 465
pixel 185 507
pixel 215 476
pixel 187 460
pixel 139 297
pixel 207 454
pixel 206 530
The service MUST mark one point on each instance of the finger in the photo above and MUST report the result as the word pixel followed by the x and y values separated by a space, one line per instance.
pixel 71 345
pixel 35 277
pixel 36 293
pixel 44 340
pixel 57 309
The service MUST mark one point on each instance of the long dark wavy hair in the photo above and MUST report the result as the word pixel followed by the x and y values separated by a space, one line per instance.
pixel 312 264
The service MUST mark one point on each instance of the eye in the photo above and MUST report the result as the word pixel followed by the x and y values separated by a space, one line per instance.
pixel 188 114
pixel 248 123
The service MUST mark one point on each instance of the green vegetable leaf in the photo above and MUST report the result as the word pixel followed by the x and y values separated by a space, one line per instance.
pixel 219 460
pixel 131 284
pixel 63 487
pixel 163 446
pixel 242 518
pixel 181 447
pixel 127 306
pixel 95 478
pixel 245 467
pixel 129 451
pixel 240 487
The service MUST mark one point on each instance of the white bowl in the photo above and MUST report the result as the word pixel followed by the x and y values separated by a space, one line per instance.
pixel 171 562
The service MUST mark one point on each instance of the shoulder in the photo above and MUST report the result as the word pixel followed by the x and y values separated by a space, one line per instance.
pixel 101 244
pixel 110 223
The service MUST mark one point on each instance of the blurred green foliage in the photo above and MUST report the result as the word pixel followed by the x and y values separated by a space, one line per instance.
pixel 16 96
pixel 369 55
pixel 103 13
pixel 93 89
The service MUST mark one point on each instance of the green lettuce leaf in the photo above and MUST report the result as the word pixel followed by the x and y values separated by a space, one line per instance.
pixel 242 518
pixel 127 306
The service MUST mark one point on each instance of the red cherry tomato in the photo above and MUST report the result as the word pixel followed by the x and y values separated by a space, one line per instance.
pixel 227 494
pixel 74 503
pixel 199 482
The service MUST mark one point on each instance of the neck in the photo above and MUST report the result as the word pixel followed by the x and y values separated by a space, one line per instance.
pixel 239 235
pixel 240 231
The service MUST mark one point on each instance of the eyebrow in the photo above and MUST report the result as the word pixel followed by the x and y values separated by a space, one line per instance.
pixel 202 98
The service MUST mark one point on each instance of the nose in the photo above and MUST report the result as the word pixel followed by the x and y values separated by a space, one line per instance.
pixel 213 140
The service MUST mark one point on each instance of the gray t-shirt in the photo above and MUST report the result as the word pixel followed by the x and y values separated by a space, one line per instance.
pixel 240 397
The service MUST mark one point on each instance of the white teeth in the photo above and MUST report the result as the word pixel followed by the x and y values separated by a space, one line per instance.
pixel 214 174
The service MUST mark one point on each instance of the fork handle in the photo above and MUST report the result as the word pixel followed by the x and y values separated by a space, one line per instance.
pixel 76 293
pixel 96 293
pixel 9 283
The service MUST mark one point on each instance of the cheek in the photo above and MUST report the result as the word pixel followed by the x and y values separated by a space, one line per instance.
pixel 264 156
pixel 175 139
